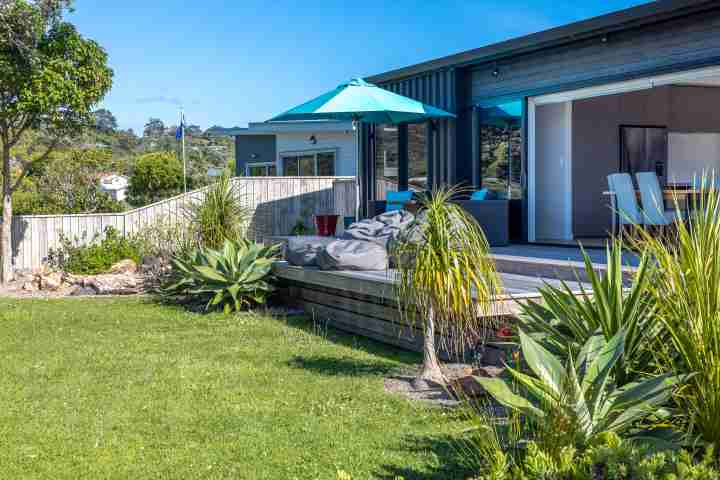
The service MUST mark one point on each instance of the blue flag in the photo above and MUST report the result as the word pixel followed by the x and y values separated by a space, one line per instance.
pixel 180 132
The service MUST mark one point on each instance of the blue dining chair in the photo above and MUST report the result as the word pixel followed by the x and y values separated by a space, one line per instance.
pixel 653 203
pixel 625 204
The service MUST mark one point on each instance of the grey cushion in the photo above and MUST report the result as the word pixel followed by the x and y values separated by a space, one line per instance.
pixel 380 229
pixel 303 252
pixel 352 255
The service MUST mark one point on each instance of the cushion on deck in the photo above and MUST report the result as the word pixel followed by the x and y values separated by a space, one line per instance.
pixel 397 200
pixel 303 252
pixel 352 255
pixel 380 229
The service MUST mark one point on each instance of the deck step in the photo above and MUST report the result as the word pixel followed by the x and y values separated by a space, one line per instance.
pixel 565 270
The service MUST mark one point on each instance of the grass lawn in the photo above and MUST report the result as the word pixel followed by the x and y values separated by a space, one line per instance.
pixel 123 388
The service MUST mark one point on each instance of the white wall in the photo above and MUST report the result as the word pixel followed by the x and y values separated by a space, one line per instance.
pixel 552 172
pixel 691 154
pixel 343 142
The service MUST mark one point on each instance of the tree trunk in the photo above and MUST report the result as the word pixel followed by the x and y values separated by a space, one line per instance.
pixel 6 272
pixel 431 365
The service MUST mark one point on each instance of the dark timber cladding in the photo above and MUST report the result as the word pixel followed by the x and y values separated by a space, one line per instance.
pixel 439 89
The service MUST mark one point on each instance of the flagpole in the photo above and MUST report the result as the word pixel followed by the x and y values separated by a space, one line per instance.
pixel 182 133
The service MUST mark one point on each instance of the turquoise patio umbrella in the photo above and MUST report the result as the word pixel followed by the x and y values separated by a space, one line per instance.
pixel 360 101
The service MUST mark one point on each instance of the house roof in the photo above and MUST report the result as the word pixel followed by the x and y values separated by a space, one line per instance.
pixel 272 128
pixel 605 24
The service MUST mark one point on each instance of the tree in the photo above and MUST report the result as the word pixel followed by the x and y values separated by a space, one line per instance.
pixel 154 128
pixel 447 279
pixel 68 182
pixel 105 121
pixel 193 131
pixel 156 176
pixel 51 78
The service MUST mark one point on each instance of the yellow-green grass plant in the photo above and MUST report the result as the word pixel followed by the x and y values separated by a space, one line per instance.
pixel 446 277
pixel 686 291
pixel 220 215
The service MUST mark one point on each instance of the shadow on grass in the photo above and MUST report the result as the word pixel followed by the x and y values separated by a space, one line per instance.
pixel 332 366
pixel 339 337
pixel 452 462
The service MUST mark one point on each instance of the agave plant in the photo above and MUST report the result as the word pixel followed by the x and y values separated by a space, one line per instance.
pixel 580 395
pixel 564 321
pixel 229 279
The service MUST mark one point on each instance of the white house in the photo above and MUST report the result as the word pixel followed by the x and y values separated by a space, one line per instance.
pixel 115 185
pixel 316 148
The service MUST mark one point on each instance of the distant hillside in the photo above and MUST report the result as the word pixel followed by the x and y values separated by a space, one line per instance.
pixel 73 171
pixel 218 131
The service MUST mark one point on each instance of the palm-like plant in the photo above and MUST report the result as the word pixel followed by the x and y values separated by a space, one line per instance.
pixel 230 279
pixel 446 279
pixel 220 215
pixel 580 396
pixel 564 321
pixel 687 294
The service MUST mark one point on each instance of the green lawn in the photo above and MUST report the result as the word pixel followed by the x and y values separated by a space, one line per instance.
pixel 123 388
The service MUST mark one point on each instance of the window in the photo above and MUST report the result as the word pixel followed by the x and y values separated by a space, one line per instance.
pixel 260 170
pixel 386 160
pixel 501 144
pixel 308 164
pixel 417 160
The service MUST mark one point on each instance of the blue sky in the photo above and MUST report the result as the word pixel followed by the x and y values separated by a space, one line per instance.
pixel 229 62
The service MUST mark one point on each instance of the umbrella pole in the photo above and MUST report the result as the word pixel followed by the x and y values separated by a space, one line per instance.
pixel 358 186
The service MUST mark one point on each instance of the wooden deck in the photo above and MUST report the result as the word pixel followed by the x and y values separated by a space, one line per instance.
pixel 364 302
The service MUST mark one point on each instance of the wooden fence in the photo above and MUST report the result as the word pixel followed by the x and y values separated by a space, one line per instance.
pixel 275 205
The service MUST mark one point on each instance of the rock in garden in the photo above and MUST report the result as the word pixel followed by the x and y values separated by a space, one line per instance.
pixel 50 281
pixel 109 284
pixel 151 262
pixel 82 291
pixel 468 386
pixel 124 266
pixel 30 287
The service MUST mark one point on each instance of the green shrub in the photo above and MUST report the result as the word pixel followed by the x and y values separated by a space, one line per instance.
pixel 229 279
pixel 155 176
pixel 610 458
pixel 96 256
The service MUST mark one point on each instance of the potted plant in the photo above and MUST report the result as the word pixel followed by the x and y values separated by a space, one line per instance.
pixel 326 224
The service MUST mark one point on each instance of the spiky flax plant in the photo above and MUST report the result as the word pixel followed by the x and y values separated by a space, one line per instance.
pixel 687 296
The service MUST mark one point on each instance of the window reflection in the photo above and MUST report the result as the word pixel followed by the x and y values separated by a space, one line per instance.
pixel 417 159
pixel 501 146
pixel 386 160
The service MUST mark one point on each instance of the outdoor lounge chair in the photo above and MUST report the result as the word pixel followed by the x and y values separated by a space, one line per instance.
pixel 653 202
pixel 626 204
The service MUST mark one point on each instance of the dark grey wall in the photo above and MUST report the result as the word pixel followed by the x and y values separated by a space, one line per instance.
pixel 437 88
pixel 596 139
pixel 694 40
pixel 264 146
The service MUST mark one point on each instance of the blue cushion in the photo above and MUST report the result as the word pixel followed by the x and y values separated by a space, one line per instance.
pixel 480 194
pixel 397 200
